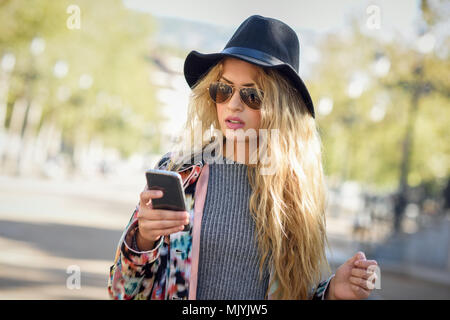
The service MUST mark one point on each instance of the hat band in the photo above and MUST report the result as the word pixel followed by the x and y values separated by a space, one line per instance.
pixel 253 53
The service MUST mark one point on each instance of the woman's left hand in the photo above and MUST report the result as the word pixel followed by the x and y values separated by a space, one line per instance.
pixel 353 280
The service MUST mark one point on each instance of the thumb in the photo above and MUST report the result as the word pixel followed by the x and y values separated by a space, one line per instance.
pixel 358 256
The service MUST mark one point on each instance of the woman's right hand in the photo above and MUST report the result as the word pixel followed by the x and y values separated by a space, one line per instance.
pixel 154 223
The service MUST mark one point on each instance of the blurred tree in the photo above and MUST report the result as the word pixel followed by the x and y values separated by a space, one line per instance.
pixel 91 82
pixel 425 79
pixel 364 133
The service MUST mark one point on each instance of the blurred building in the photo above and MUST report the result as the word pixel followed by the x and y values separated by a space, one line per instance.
pixel 172 93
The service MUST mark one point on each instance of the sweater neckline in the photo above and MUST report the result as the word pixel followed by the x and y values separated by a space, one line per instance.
pixel 226 160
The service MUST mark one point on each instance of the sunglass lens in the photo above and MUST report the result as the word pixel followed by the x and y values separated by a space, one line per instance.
pixel 220 92
pixel 251 97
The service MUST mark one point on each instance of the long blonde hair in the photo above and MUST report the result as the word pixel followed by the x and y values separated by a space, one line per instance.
pixel 288 207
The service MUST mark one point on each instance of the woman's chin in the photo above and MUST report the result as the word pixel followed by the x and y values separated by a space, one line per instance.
pixel 239 135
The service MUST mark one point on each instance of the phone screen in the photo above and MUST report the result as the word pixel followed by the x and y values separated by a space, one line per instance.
pixel 170 183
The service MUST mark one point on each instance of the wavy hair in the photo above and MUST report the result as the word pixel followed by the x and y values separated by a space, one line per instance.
pixel 288 207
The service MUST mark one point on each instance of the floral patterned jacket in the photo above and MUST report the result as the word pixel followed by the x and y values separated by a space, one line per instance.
pixel 169 271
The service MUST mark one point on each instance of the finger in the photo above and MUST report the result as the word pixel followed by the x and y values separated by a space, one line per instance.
pixel 357 256
pixel 362 273
pixel 149 225
pixel 165 232
pixel 147 195
pixel 156 214
pixel 365 263
pixel 360 292
pixel 363 283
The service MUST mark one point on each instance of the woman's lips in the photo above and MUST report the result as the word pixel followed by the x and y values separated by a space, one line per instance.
pixel 233 125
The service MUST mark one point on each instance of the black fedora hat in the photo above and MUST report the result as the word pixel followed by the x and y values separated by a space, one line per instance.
pixel 259 40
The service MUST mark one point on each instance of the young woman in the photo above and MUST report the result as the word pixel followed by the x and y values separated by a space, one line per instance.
pixel 255 201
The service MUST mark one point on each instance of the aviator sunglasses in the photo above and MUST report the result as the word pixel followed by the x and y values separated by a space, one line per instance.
pixel 220 92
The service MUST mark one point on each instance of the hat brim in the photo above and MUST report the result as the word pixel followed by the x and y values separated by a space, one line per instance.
pixel 198 65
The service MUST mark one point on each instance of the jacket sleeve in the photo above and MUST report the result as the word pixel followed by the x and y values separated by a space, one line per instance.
pixel 317 293
pixel 321 289
pixel 133 273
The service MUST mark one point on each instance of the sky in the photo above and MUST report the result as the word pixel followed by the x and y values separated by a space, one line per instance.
pixel 321 16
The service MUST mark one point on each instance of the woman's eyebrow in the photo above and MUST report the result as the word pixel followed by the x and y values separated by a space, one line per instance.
pixel 245 85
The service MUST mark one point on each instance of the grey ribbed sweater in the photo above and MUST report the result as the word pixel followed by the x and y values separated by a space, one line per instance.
pixel 229 258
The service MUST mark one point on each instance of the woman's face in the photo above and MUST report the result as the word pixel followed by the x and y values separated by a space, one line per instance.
pixel 240 74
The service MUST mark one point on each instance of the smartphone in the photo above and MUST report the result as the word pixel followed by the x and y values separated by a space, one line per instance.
pixel 171 184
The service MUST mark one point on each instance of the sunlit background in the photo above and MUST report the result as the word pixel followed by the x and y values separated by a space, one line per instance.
pixel 92 93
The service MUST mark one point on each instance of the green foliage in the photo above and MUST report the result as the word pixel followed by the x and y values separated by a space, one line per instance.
pixel 111 46
pixel 361 149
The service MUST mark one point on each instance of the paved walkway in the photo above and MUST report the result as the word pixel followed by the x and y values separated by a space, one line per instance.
pixel 46 227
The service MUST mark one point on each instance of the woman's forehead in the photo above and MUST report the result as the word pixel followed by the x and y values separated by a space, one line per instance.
pixel 239 71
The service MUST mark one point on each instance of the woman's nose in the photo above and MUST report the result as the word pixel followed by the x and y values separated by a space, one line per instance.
pixel 235 101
